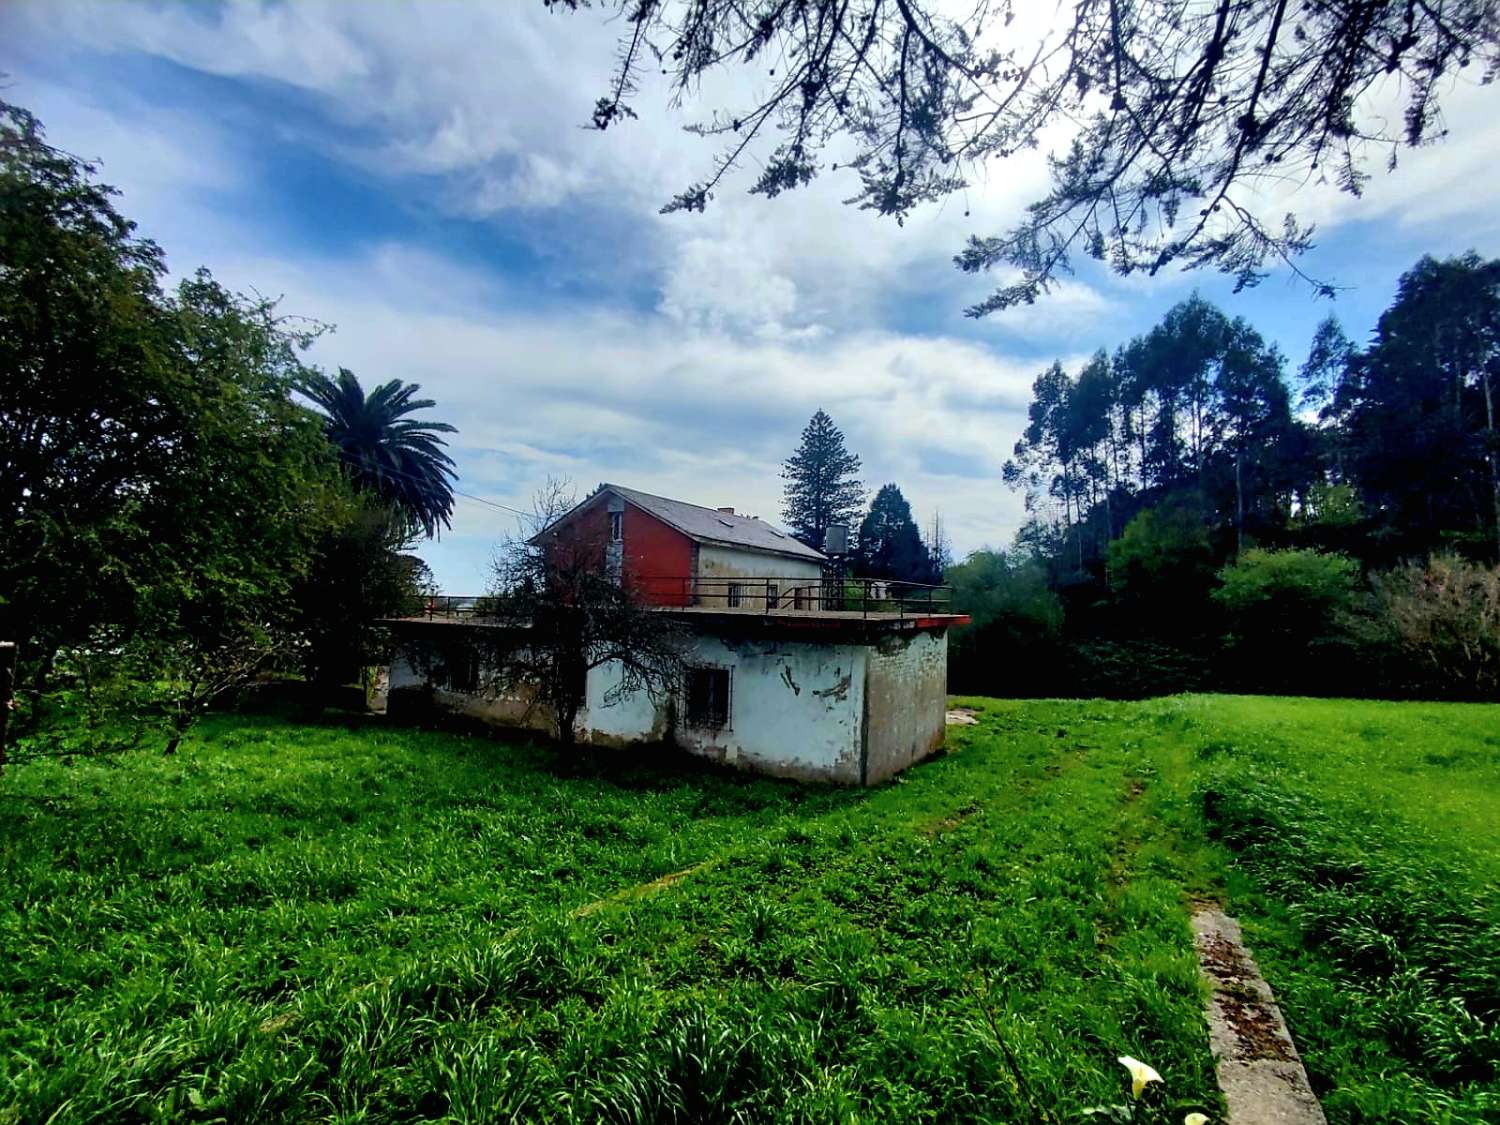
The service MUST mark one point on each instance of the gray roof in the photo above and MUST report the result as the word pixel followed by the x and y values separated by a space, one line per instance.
pixel 707 525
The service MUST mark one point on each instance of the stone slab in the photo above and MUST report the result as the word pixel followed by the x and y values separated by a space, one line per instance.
pixel 1259 1070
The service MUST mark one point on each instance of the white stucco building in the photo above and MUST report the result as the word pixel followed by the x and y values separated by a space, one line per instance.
pixel 783 673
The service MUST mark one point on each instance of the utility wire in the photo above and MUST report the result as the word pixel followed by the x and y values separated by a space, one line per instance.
pixel 422 480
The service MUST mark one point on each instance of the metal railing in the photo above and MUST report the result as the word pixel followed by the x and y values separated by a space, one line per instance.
pixel 863 597
pixel 797 594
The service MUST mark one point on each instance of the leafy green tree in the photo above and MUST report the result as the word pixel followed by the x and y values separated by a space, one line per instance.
pixel 156 482
pixel 821 486
pixel 357 575
pixel 1161 566
pixel 1419 409
pixel 1173 111
pixel 1012 644
pixel 385 451
pixel 1284 611
pixel 890 545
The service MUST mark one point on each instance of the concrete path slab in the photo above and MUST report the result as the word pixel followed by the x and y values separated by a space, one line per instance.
pixel 1259 1069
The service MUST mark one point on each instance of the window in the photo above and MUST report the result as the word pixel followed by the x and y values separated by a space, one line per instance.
pixel 733 597
pixel 799 597
pixel 616 526
pixel 708 697
pixel 773 595
pixel 459 671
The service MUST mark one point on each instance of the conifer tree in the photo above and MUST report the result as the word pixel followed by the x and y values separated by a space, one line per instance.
pixel 890 546
pixel 821 486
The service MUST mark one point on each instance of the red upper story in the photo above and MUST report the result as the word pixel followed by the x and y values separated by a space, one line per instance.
pixel 652 557
pixel 652 542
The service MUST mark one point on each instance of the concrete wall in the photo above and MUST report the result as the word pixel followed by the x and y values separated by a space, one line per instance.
pixel 906 701
pixel 850 713
pixel 716 563
pixel 795 708
pixel 409 691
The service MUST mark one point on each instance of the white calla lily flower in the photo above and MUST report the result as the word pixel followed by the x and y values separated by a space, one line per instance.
pixel 1140 1074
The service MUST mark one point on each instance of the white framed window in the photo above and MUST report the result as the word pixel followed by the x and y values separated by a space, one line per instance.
pixel 616 526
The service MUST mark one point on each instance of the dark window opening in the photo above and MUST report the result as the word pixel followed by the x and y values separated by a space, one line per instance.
pixel 459 671
pixel 799 598
pixel 773 595
pixel 734 594
pixel 616 526
pixel 708 697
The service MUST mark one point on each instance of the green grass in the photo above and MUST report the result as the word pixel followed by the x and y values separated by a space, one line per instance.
pixel 356 923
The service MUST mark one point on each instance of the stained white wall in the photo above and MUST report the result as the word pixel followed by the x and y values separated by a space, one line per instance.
pixel 907 705
pixel 795 708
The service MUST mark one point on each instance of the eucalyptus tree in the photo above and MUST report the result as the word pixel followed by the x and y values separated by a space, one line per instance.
pixel 1164 119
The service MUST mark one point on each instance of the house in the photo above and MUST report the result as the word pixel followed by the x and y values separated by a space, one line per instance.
pixel 677 554
pixel 789 669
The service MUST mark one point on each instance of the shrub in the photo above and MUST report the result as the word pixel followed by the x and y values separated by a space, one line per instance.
pixel 1447 615
pixel 1283 610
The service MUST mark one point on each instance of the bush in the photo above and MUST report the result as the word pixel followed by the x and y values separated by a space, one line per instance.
pixel 1447 616
pixel 1284 610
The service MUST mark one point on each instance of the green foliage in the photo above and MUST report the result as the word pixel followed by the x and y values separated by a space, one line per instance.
pixel 1286 611
pixel 890 546
pixel 356 576
pixel 821 487
pixel 1419 408
pixel 386 453
pixel 162 493
pixel 1162 562
pixel 1017 623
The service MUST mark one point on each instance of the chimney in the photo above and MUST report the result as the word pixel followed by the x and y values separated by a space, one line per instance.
pixel 727 511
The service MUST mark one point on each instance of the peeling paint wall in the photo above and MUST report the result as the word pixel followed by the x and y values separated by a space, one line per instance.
pixel 850 713
pixel 906 694
pixel 795 708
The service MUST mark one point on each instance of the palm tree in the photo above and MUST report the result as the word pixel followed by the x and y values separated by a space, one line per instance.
pixel 399 459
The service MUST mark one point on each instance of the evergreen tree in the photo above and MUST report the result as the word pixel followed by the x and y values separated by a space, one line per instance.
pixel 890 546
pixel 821 486
pixel 386 452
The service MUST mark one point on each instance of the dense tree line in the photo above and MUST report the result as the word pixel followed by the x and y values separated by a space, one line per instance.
pixel 176 517
pixel 1203 516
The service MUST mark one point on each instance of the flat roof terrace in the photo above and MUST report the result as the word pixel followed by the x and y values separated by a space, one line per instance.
pixel 748 604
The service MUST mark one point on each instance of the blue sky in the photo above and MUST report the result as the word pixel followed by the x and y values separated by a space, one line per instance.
pixel 417 176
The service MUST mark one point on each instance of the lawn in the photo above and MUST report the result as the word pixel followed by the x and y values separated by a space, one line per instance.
pixel 349 922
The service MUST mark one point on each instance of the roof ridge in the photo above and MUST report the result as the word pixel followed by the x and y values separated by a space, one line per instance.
pixel 688 503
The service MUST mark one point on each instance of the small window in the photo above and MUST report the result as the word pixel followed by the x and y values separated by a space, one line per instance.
pixel 733 597
pixel 773 595
pixel 799 597
pixel 459 671
pixel 708 697
pixel 616 526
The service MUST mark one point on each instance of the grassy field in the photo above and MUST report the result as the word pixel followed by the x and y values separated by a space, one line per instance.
pixel 353 923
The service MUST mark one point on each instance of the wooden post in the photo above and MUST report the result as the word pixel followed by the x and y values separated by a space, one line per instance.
pixel 7 690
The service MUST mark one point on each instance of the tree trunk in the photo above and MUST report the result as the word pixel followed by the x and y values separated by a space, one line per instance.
pixel 1239 503
pixel 7 691
pixel 1487 381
